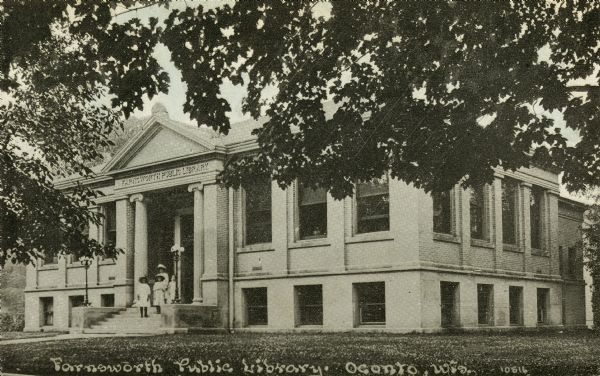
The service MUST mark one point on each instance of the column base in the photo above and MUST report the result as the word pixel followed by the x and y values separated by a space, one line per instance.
pixel 197 301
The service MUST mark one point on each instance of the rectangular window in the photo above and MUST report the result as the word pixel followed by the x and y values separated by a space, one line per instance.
pixel 370 299
pixel 449 298
pixel 542 305
pixel 373 206
pixel 478 211
pixel 309 301
pixel 572 261
pixel 509 211
pixel 47 311
pixel 50 259
pixel 536 215
pixel 107 300
pixel 485 304
pixel 515 303
pixel 110 223
pixel 442 212
pixel 258 213
pixel 312 212
pixel 256 306
pixel 86 233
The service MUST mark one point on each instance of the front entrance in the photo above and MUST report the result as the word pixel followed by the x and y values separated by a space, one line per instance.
pixel 171 222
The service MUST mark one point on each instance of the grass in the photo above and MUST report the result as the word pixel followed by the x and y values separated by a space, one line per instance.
pixel 569 353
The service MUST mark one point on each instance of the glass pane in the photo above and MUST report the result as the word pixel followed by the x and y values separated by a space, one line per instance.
pixel 310 304
pixel 535 212
pixel 256 306
pixel 442 213
pixel 509 212
pixel 371 302
pixel 312 212
pixel 477 210
pixel 484 304
pixel 373 206
pixel 258 213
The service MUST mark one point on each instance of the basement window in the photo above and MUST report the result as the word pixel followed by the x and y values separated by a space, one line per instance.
pixel 256 306
pixel 449 303
pixel 370 298
pixel 309 302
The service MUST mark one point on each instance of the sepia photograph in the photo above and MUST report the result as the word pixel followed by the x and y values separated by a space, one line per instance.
pixel 300 187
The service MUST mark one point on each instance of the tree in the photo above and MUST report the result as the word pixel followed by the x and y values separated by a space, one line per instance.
pixel 591 251
pixel 52 120
pixel 433 93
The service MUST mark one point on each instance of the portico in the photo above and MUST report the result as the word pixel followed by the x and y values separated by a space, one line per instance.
pixel 163 179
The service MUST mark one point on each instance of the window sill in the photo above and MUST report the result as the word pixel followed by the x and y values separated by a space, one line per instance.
pixel 482 243
pixel 370 237
pixel 512 248
pixel 307 243
pixel 539 252
pixel 262 247
pixel 74 265
pixel 372 325
pixel 450 238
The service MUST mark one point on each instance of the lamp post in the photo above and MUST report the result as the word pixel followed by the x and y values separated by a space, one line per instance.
pixel 176 251
pixel 86 262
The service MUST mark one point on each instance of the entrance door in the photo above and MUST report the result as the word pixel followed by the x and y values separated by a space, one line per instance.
pixel 187 258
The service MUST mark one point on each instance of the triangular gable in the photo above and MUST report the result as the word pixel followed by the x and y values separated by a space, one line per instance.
pixel 160 140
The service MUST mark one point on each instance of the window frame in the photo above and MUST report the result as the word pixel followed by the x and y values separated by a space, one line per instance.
pixel 356 211
pixel 545 311
pixel 541 226
pixel 47 315
pixel 520 306
pixel 489 307
pixel 297 190
pixel 516 213
pixel 452 213
pixel 455 318
pixel 358 289
pixel 106 230
pixel 244 219
pixel 300 306
pixel 487 221
pixel 248 307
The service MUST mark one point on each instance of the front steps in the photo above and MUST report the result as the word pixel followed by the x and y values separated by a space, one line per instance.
pixel 129 322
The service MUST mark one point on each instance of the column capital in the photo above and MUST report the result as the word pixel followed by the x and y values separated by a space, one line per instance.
pixel 195 187
pixel 526 184
pixel 136 197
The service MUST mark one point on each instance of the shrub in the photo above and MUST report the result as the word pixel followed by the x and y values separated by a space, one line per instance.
pixel 12 322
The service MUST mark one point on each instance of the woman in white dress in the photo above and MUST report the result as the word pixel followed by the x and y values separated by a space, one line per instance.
pixel 143 296
pixel 159 288
pixel 171 290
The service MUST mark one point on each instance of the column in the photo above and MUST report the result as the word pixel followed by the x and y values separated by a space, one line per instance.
pixel 198 192
pixel 141 239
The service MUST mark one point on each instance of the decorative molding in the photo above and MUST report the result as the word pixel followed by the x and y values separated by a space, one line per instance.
pixel 136 197
pixel 195 187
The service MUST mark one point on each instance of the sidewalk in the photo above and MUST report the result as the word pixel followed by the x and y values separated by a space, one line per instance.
pixel 61 337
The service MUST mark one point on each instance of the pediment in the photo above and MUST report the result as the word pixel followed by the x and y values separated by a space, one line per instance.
pixel 159 141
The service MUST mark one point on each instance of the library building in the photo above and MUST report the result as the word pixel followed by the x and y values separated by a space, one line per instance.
pixel 391 258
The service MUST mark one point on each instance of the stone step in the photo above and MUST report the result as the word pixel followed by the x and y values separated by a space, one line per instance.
pixel 120 331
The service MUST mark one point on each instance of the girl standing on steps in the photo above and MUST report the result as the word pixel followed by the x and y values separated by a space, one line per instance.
pixel 159 288
pixel 143 297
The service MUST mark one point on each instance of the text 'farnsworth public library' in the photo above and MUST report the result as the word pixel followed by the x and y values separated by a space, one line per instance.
pixel 390 258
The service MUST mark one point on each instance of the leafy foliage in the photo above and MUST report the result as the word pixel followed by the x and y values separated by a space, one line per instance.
pixel 430 92
pixel 591 251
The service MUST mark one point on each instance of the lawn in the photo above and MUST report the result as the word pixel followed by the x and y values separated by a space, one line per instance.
pixel 572 353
